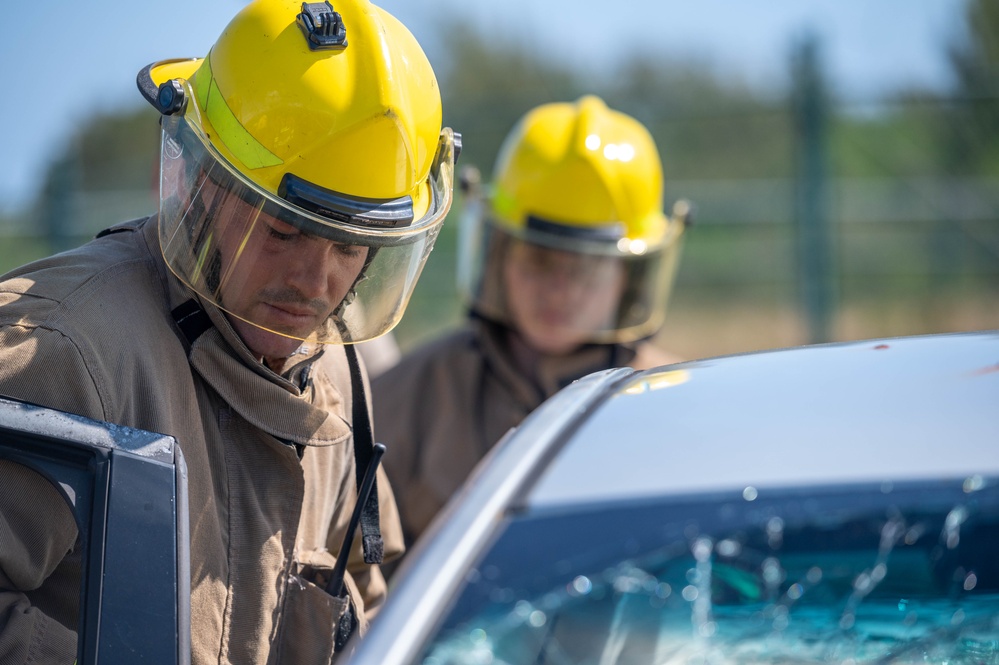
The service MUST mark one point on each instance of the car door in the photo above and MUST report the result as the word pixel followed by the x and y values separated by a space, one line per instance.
pixel 127 490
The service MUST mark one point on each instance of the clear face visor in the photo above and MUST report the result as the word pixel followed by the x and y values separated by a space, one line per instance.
pixel 343 276
pixel 560 291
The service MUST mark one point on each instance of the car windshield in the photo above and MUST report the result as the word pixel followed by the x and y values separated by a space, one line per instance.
pixel 850 574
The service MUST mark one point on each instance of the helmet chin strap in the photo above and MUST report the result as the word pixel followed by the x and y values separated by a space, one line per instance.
pixel 337 314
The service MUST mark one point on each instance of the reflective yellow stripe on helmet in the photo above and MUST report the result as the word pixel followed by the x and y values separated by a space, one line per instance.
pixel 240 142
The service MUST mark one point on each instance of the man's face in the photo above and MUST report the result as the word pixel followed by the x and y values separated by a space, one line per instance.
pixel 558 299
pixel 287 282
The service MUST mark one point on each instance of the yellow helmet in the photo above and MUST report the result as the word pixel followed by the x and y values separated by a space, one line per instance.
pixel 583 166
pixel 582 179
pixel 326 118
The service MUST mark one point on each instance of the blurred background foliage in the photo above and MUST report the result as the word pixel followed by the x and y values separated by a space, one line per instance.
pixel 816 219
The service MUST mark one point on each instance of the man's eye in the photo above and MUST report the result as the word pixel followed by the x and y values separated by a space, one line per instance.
pixel 349 250
pixel 277 235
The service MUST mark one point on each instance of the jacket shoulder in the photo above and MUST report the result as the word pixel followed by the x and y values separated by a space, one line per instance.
pixel 451 352
pixel 106 269
pixel 88 330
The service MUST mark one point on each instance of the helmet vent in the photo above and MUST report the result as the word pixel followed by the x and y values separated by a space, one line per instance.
pixel 323 27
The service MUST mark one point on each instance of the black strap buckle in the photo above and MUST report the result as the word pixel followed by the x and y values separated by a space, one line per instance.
pixel 192 321
pixel 345 627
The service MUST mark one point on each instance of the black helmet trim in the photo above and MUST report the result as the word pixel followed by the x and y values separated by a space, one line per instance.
pixel 359 211
pixel 604 233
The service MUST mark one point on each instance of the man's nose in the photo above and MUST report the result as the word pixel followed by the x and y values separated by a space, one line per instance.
pixel 311 267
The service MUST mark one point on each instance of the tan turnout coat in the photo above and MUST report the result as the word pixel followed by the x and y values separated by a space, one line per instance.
pixel 442 408
pixel 270 458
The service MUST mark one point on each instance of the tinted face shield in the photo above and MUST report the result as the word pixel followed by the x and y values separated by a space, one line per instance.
pixel 316 265
pixel 562 289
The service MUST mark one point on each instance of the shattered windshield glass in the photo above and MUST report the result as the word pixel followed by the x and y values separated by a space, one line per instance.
pixel 851 574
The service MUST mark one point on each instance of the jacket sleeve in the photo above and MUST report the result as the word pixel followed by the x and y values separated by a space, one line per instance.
pixel 31 550
pixel 40 366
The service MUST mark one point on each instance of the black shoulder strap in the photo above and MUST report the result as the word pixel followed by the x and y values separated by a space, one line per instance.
pixel 374 548
pixel 192 320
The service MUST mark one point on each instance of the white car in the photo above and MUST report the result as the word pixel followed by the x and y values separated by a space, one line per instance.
pixel 825 504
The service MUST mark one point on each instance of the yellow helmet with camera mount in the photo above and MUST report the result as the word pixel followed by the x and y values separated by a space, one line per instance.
pixel 325 117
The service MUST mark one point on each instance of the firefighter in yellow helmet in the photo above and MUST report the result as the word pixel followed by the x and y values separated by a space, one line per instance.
pixel 304 177
pixel 566 267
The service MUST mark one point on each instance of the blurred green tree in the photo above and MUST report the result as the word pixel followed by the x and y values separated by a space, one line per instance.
pixel 489 81
pixel 973 136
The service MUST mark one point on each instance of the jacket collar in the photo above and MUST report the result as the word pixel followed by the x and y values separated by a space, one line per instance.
pixel 288 406
pixel 550 373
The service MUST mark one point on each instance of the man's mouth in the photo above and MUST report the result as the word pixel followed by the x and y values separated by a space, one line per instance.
pixel 289 315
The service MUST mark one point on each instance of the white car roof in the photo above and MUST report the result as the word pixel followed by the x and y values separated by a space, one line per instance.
pixel 884 411
pixel 876 411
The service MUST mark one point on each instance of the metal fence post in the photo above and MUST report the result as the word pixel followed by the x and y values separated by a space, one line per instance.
pixel 810 210
pixel 58 208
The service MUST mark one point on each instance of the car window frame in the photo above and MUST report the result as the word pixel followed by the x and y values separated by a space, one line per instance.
pixel 127 490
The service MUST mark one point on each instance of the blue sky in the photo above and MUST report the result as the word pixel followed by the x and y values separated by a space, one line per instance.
pixel 60 62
